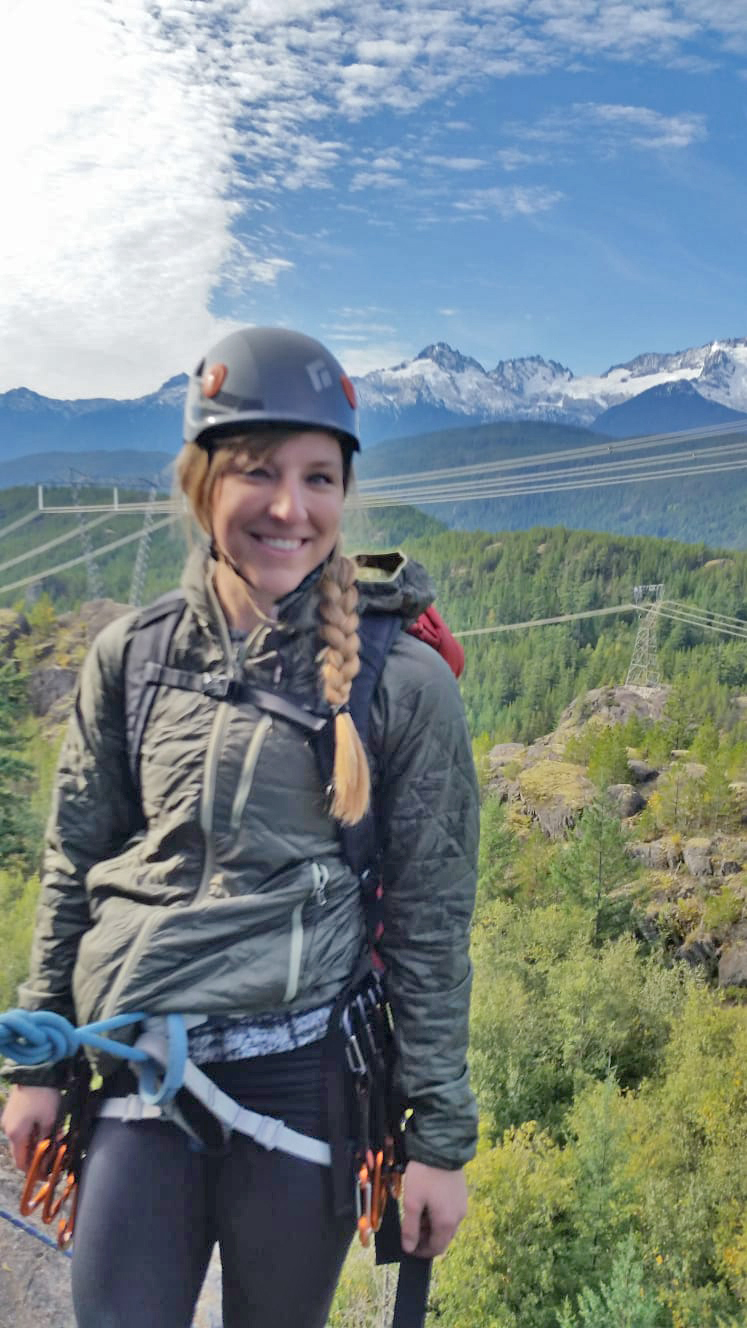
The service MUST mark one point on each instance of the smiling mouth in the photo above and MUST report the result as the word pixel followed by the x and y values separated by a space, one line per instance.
pixel 280 545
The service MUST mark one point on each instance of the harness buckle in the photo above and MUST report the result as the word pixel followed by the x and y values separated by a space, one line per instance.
pixel 218 686
pixel 268 1132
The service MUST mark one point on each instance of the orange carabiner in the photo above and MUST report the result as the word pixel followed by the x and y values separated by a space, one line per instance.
pixel 66 1225
pixel 378 1192
pixel 37 1173
pixel 52 1204
pixel 363 1199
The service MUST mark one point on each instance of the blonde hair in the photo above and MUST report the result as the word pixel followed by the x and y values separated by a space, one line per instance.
pixel 339 665
pixel 197 472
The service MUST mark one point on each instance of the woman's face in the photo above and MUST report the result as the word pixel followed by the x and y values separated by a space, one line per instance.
pixel 279 517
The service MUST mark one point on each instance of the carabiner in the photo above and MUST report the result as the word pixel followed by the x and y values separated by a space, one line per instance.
pixel 363 1200
pixel 39 1170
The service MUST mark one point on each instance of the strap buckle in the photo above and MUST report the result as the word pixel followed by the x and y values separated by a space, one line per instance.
pixel 218 686
pixel 268 1131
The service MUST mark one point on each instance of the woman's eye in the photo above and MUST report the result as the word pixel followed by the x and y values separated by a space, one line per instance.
pixel 256 473
pixel 321 477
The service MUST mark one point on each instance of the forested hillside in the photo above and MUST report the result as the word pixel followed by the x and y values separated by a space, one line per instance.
pixel 516 684
pixel 692 507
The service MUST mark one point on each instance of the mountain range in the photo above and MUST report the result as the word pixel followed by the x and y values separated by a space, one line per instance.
pixel 439 388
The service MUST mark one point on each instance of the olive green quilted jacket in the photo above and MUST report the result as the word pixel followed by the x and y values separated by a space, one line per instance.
pixel 234 896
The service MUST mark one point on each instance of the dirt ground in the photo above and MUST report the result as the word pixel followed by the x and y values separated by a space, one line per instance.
pixel 35 1279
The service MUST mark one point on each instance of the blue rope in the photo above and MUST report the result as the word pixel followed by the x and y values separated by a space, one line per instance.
pixel 35 1037
pixel 173 1076
pixel 32 1231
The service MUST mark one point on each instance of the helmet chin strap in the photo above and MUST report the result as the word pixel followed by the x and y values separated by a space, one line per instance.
pixel 221 556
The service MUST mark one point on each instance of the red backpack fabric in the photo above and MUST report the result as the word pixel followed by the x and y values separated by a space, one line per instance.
pixel 431 628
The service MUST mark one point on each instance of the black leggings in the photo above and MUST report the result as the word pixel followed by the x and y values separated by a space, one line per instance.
pixel 152 1207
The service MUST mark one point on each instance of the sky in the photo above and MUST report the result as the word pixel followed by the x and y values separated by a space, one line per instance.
pixel 565 178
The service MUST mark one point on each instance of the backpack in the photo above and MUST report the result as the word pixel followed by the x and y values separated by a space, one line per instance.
pixel 146 669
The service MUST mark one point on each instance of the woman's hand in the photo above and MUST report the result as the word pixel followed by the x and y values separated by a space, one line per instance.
pixel 29 1115
pixel 435 1201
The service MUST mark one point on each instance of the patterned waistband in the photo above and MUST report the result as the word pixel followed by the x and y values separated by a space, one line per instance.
pixel 226 1038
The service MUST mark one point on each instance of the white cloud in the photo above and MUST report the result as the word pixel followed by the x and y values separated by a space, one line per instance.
pixel 137 137
pixel 362 359
pixel 456 163
pixel 645 128
pixel 608 128
pixel 508 202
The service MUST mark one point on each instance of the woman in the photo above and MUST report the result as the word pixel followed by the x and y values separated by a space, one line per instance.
pixel 221 887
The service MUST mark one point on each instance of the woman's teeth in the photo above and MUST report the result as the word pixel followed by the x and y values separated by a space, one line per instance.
pixel 290 545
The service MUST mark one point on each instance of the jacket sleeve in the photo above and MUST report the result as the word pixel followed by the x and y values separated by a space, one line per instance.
pixel 92 815
pixel 428 826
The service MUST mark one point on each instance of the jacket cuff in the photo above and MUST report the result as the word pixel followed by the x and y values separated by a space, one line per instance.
pixel 35 1076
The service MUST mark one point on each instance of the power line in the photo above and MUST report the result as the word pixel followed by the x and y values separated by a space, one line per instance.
pixel 52 544
pixel 495 490
pixel 546 622
pixel 75 562
pixel 15 525
pixel 702 623
pixel 582 451
pixel 728 618
pixel 665 608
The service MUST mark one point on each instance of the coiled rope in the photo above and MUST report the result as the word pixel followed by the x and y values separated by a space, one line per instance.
pixel 36 1037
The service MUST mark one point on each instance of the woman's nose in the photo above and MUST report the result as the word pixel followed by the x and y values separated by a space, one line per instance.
pixel 287 502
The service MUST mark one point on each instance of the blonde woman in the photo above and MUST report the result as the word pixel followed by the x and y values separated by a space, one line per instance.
pixel 212 880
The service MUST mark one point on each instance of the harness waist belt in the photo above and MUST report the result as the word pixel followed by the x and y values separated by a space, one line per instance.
pixel 267 1131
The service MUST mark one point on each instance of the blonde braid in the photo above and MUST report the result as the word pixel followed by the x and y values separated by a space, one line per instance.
pixel 339 664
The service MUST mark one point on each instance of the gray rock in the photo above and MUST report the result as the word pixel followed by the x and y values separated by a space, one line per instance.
pixel 697 856
pixel 700 952
pixel 626 799
pixel 732 968
pixel 641 770
pixel 673 850
pixel 504 753
pixel 48 685
pixel 652 855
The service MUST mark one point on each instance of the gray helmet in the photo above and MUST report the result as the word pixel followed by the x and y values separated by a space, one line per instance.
pixel 269 375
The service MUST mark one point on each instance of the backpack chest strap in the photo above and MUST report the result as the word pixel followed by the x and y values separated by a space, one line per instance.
pixel 221 687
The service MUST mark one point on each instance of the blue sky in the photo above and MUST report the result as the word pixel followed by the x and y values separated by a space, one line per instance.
pixel 555 177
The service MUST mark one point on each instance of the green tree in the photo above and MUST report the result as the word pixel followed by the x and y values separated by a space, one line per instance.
pixel 16 832
pixel 622 1302
pixel 592 867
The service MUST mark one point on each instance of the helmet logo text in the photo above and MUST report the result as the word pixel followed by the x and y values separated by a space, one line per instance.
pixel 319 375
pixel 213 379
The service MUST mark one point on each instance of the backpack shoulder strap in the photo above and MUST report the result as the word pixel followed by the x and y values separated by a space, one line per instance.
pixel 150 643
pixel 377 632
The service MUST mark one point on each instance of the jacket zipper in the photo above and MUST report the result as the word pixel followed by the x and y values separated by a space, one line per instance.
pixel 247 773
pixel 317 893
pixel 213 754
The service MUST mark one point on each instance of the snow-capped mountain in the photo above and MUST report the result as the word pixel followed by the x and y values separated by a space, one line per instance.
pixel 439 388
pixel 534 388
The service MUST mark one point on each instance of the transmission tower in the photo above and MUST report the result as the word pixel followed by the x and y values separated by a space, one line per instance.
pixel 93 576
pixel 644 666
pixel 137 584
